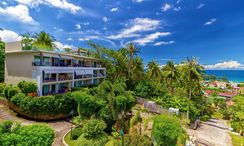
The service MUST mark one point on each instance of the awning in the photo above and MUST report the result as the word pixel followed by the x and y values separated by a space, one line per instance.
pixel 66 71
pixel 80 72
pixel 65 57
pixel 89 71
pixel 50 55
pixel 52 71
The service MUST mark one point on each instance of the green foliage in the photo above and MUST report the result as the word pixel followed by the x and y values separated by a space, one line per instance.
pixel 13 134
pixel 205 118
pixel 2 87
pixel 2 58
pixel 53 104
pixel 97 141
pixel 43 41
pixel 27 87
pixel 135 119
pixel 166 130
pixel 76 133
pixel 87 104
pixel 93 128
pixel 11 91
pixel 134 140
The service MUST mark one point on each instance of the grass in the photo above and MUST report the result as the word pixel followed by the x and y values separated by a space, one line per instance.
pixel 237 140
pixel 70 142
pixel 217 115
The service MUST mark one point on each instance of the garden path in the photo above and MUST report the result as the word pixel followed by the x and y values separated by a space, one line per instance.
pixel 213 132
pixel 60 126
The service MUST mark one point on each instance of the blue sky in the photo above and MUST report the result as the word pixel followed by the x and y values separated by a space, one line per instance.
pixel 164 29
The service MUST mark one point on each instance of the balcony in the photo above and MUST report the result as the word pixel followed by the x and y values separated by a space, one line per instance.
pixel 49 79
pixel 98 75
pixel 65 77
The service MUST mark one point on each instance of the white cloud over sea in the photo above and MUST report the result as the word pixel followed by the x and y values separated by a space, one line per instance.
pixel 231 64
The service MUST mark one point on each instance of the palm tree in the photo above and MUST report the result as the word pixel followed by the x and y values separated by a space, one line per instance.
pixel 27 41
pixel 192 77
pixel 132 52
pixel 171 74
pixel 153 71
pixel 44 41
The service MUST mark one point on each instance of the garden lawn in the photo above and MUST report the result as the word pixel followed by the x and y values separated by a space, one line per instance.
pixel 237 140
pixel 70 142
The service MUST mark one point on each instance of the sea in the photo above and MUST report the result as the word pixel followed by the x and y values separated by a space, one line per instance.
pixel 232 75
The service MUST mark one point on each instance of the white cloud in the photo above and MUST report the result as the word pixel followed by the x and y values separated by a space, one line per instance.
pixel 114 9
pixel 177 9
pixel 19 13
pixel 62 4
pixel 9 36
pixel 137 1
pixel 211 21
pixel 226 65
pixel 105 19
pixel 69 39
pixel 135 26
pixel 200 6
pixel 61 46
pixel 87 38
pixel 150 38
pixel 166 7
pixel 4 3
pixel 86 23
pixel 78 26
pixel 178 1
pixel 163 43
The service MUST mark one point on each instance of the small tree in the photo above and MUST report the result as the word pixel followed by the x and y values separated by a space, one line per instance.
pixel 166 130
pixel 27 87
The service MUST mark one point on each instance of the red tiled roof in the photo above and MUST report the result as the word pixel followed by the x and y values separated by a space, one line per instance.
pixel 227 94
pixel 208 91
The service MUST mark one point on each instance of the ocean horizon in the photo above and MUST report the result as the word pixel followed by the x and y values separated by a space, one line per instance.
pixel 231 75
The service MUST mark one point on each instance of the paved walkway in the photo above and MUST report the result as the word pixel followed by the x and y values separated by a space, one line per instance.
pixel 212 133
pixel 60 126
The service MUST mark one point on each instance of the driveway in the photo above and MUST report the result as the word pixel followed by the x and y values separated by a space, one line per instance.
pixel 213 132
pixel 60 126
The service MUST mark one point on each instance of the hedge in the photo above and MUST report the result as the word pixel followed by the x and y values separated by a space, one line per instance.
pixel 52 104
pixel 13 134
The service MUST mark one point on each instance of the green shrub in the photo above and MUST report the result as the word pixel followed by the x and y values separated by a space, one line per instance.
pixel 2 87
pixel 76 133
pixel 27 87
pixel 93 128
pixel 205 118
pixel 11 91
pixel 14 134
pixel 87 104
pixel 166 130
pixel 52 104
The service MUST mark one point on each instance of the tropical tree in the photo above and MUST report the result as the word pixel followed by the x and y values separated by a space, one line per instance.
pixel 44 41
pixel 167 130
pixel 132 52
pixel 27 41
pixel 153 71
pixel 192 75
pixel 171 74
pixel 2 56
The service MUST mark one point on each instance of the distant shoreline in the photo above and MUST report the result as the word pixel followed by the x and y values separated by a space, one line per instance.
pixel 235 76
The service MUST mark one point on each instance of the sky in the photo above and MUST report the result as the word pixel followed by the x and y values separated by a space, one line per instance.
pixel 210 30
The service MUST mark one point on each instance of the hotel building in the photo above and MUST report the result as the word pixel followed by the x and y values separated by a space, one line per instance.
pixel 53 72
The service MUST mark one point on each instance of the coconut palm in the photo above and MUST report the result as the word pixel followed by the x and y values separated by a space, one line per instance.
pixel 132 52
pixel 171 74
pixel 192 76
pixel 44 41
pixel 27 41
pixel 153 71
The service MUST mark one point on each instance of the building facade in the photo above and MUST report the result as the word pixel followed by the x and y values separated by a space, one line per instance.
pixel 53 72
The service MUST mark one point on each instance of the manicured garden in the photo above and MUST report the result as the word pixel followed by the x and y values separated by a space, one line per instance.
pixel 22 99
pixel 12 133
